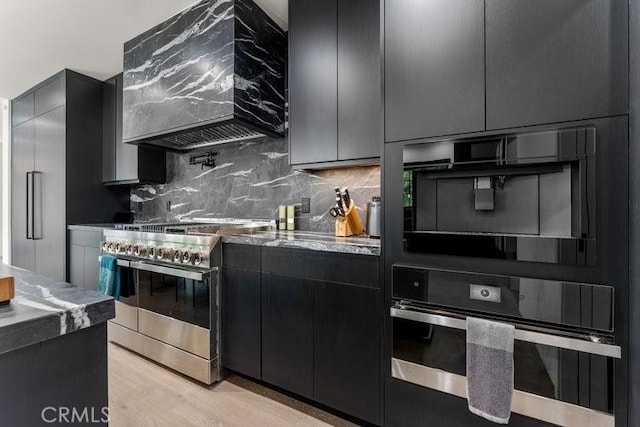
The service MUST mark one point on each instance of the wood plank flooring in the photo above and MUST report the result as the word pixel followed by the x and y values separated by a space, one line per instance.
pixel 142 393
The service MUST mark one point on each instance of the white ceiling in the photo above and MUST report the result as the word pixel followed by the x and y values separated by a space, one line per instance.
pixel 41 37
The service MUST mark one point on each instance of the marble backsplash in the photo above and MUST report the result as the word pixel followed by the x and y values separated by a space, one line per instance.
pixel 250 180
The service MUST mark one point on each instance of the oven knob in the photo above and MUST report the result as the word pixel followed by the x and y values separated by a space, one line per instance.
pixel 118 247
pixel 160 253
pixel 152 252
pixel 139 250
pixel 129 249
pixel 110 247
pixel 199 258
pixel 104 246
pixel 186 257
pixel 177 255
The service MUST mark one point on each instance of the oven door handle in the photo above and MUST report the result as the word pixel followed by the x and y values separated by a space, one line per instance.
pixel 119 262
pixel 169 271
pixel 559 341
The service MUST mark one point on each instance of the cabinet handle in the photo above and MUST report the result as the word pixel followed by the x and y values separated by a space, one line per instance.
pixel 35 174
pixel 29 212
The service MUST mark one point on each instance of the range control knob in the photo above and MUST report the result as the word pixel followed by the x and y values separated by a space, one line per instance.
pixel 186 257
pixel 160 252
pixel 177 255
pixel 139 250
pixel 199 258
pixel 152 252
pixel 129 249
pixel 104 246
pixel 118 247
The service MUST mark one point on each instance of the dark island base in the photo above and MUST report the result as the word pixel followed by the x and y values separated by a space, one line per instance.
pixel 56 376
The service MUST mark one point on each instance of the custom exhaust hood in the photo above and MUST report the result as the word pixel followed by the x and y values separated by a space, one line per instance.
pixel 210 75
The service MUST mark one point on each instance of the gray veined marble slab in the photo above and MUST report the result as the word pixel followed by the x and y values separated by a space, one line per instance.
pixel 216 63
pixel 44 308
pixel 309 240
pixel 250 180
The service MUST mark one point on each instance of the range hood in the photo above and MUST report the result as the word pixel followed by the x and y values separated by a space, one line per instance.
pixel 212 74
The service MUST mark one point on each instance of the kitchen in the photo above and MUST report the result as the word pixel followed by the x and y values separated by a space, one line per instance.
pixel 369 212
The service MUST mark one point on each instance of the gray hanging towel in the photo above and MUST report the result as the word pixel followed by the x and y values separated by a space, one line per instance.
pixel 490 369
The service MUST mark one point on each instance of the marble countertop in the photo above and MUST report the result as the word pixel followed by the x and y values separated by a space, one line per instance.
pixel 309 240
pixel 45 308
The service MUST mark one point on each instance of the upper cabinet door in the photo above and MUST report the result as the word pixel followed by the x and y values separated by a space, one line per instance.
pixel 313 86
pixel 359 80
pixel 434 68
pixel 551 61
pixel 22 109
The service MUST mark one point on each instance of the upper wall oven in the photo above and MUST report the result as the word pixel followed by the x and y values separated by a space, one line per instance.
pixel 525 197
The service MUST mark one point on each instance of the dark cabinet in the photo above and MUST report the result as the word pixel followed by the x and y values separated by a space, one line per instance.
pixel 359 80
pixel 287 333
pixel 408 405
pixel 125 163
pixel 552 61
pixel 347 349
pixel 22 109
pixel 335 90
pixel 434 68
pixel 55 165
pixel 313 80
pixel 241 321
pixel 84 253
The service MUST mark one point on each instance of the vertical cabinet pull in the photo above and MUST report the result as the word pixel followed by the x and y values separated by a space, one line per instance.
pixel 29 214
pixel 36 214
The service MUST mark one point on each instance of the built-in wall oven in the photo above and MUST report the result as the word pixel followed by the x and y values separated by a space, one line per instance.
pixel 527 196
pixel 564 349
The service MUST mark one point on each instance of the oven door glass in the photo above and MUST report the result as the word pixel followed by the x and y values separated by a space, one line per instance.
pixel 180 298
pixel 570 376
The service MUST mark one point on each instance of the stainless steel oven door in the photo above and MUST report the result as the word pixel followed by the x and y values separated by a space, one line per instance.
pixel 559 378
pixel 127 306
pixel 176 306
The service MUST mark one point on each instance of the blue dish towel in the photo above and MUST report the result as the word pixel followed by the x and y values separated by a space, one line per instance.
pixel 109 282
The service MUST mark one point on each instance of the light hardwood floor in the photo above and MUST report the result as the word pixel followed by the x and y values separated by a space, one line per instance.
pixel 142 393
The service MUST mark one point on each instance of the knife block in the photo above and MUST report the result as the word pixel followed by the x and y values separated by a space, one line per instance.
pixel 7 289
pixel 350 225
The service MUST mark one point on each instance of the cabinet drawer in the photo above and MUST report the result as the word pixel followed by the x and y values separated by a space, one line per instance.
pixel 86 238
pixel 50 96
pixel 361 270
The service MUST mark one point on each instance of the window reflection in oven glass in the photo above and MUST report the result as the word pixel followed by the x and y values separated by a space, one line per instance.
pixel 176 297
pixel 566 375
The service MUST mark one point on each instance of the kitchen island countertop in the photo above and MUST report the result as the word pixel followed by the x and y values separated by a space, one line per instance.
pixel 359 245
pixel 45 308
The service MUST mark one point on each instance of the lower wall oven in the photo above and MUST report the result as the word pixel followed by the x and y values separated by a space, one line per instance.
pixel 564 350
pixel 171 316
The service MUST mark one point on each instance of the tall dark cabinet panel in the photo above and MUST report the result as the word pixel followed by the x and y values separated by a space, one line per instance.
pixel 126 163
pixel 335 93
pixel 23 248
pixel 241 309
pixel 287 333
pixel 359 80
pixel 56 170
pixel 313 81
pixel 347 352
pixel 434 68
pixel 551 61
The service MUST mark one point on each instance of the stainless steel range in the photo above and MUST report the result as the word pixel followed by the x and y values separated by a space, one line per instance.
pixel 168 309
